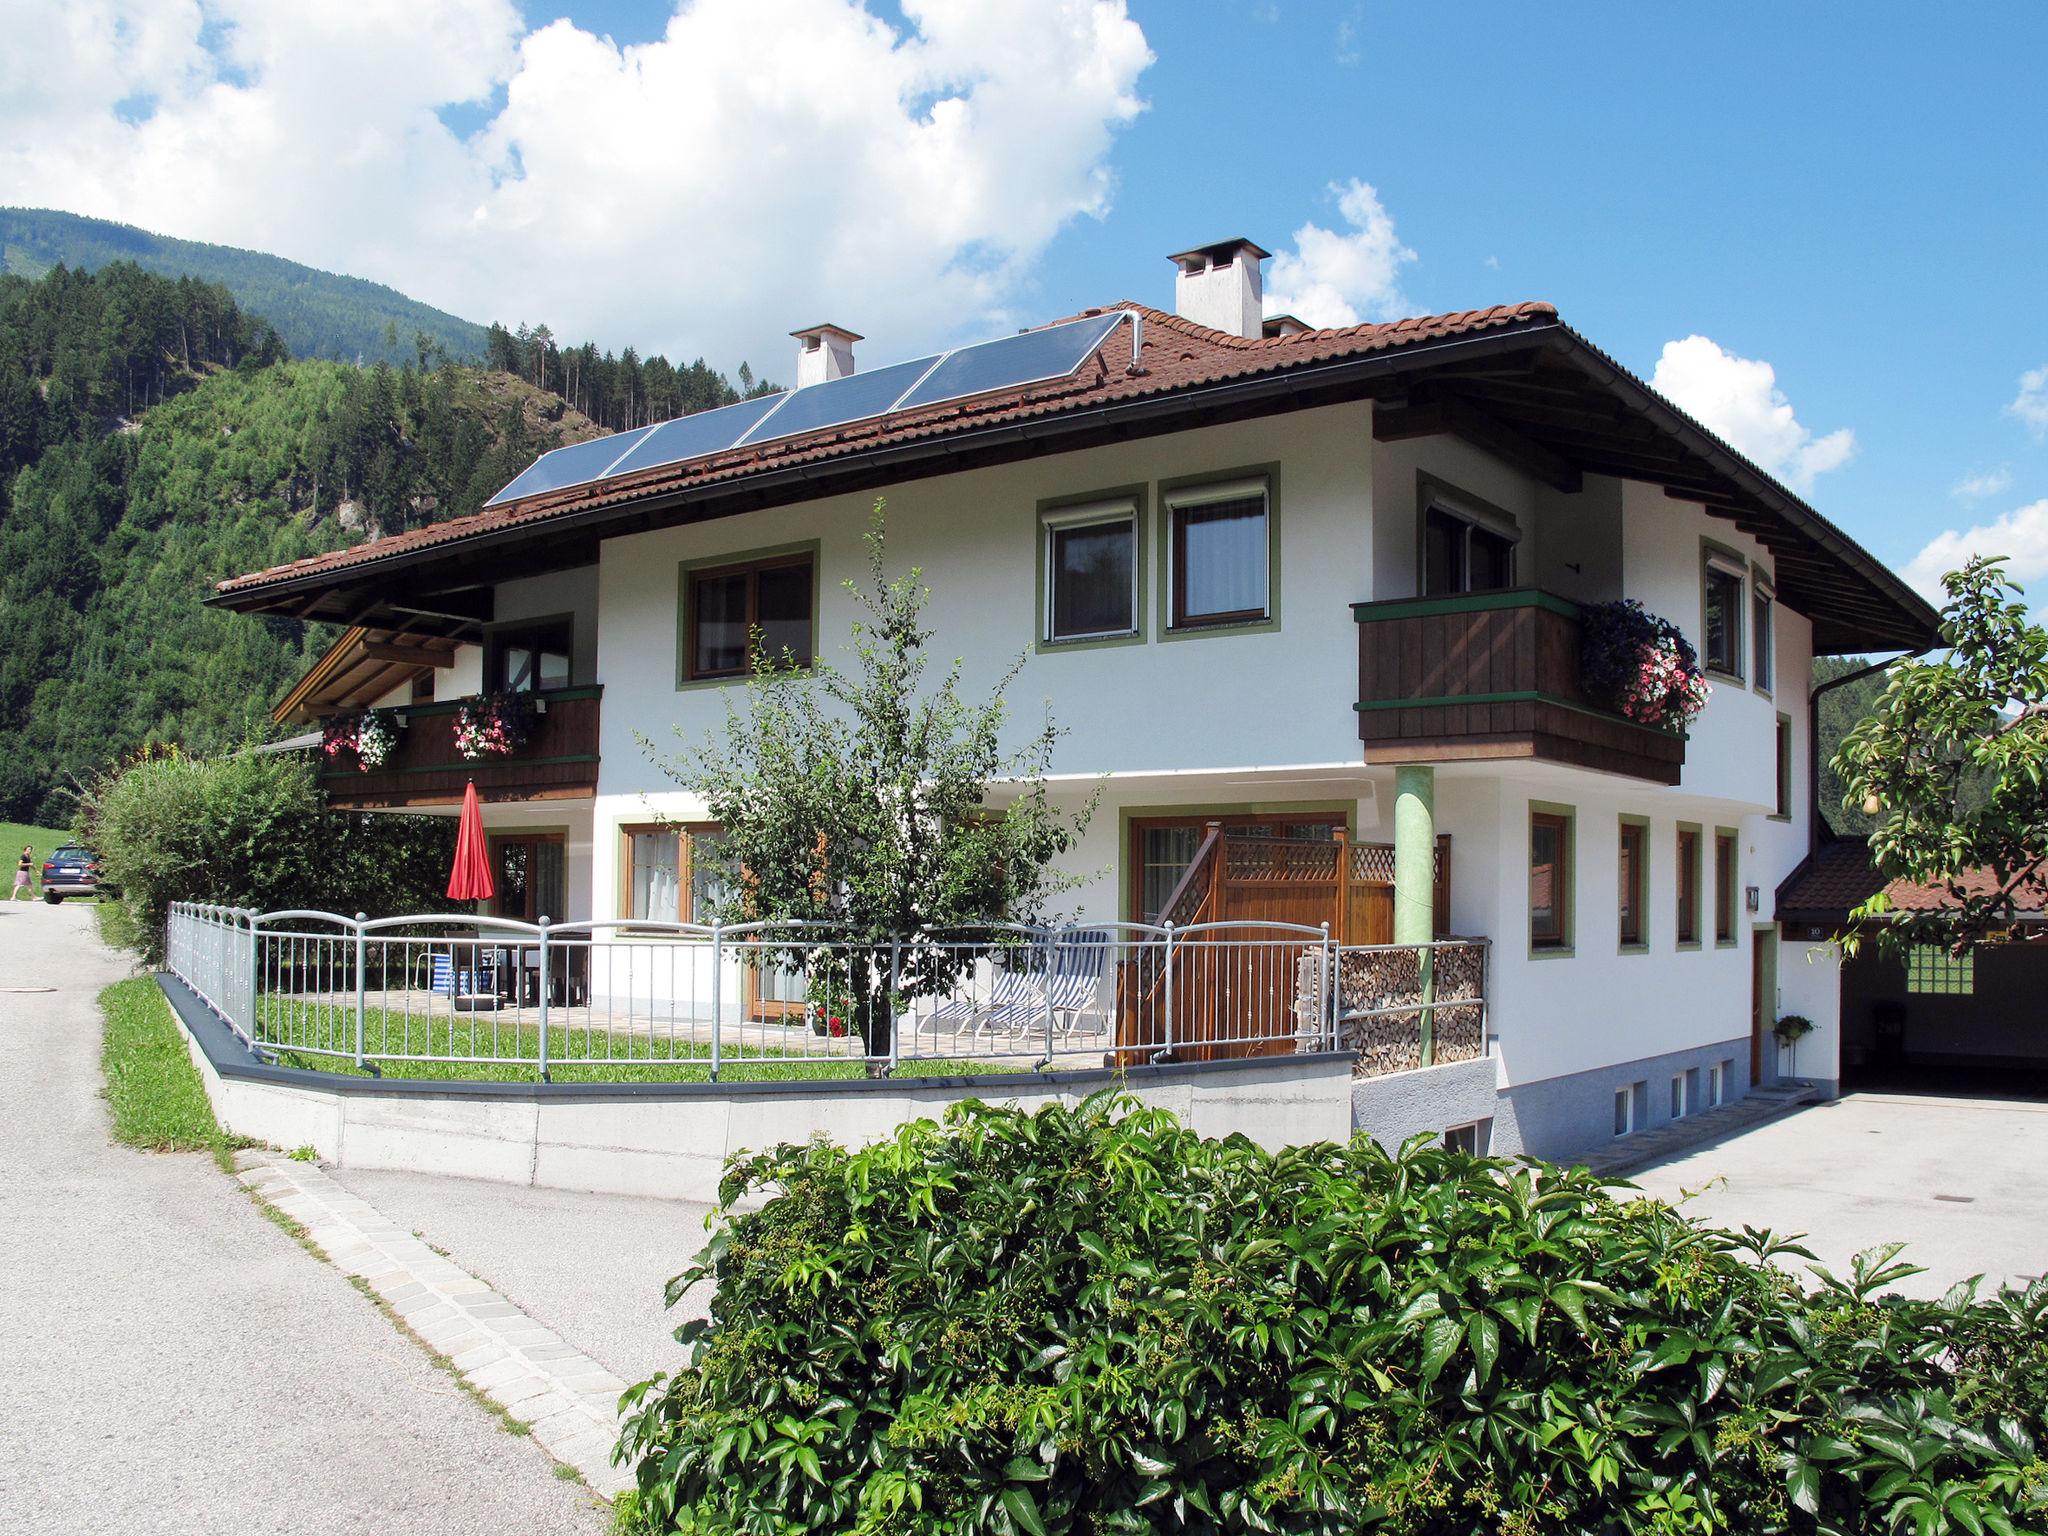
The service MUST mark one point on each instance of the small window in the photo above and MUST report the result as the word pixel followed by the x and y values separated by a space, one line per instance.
pixel 1634 838
pixel 1678 1095
pixel 732 607
pixel 1222 555
pixel 1091 575
pixel 1717 1085
pixel 1933 971
pixel 1724 619
pixel 1624 1111
pixel 1464 552
pixel 1688 885
pixel 531 659
pixel 1724 888
pixel 1474 1140
pixel 1785 766
pixel 1762 639
pixel 1549 880
pixel 422 691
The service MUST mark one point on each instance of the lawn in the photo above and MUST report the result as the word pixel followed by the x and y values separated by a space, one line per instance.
pixel 332 1026
pixel 153 1090
pixel 43 840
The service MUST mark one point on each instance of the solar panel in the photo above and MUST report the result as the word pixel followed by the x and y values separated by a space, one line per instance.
pixel 838 401
pixel 693 436
pixel 574 465
pixel 1052 353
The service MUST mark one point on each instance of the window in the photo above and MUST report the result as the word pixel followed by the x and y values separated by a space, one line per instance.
pixel 531 658
pixel 1624 1110
pixel 1474 1140
pixel 1717 1083
pixel 653 874
pixel 1635 839
pixel 729 607
pixel 1724 887
pixel 1222 554
pixel 1785 767
pixel 1678 1095
pixel 1723 648
pixel 1933 971
pixel 1688 885
pixel 1091 572
pixel 1465 551
pixel 1549 880
pixel 1761 637
pixel 422 691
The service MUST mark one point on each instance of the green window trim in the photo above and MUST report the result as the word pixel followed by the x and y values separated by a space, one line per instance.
pixel 1163 541
pixel 1568 896
pixel 1644 885
pixel 687 568
pixel 1047 512
pixel 1784 788
pixel 1763 639
pixel 1678 869
pixel 1740 618
pixel 1731 898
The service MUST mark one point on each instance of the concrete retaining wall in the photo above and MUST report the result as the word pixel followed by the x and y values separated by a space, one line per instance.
pixel 1391 1109
pixel 673 1139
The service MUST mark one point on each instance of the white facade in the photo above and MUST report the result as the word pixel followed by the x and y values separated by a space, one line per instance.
pixel 1261 717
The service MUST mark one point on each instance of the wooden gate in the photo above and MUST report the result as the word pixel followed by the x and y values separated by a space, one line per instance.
pixel 1275 880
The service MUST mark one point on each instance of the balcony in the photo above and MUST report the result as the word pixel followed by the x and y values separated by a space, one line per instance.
pixel 557 762
pixel 1487 675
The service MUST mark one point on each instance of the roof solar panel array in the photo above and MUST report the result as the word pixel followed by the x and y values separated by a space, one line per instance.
pixel 1030 357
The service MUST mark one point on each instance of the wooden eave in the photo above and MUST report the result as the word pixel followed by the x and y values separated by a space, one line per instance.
pixel 362 666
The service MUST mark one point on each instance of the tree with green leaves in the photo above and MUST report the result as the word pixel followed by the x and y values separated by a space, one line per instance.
pixel 860 798
pixel 1950 769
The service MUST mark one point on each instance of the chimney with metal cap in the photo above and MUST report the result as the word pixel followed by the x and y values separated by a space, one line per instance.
pixel 1219 286
pixel 824 352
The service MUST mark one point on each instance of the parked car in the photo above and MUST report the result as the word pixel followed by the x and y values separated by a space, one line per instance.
pixel 73 871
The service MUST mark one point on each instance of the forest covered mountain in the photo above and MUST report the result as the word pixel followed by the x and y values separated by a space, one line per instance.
pixel 317 314
pixel 156 436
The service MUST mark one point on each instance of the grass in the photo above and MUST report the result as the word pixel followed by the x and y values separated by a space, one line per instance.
pixel 43 840
pixel 118 929
pixel 333 1026
pixel 153 1091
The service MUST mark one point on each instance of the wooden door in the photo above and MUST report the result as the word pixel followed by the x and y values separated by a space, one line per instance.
pixel 1763 998
pixel 528 870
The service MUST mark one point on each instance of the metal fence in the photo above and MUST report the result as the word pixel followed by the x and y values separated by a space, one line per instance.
pixel 468 996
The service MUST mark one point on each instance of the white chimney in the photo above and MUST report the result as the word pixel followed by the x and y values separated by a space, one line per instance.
pixel 823 352
pixel 1219 286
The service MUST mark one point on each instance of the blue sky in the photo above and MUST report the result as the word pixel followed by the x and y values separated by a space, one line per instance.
pixel 1855 197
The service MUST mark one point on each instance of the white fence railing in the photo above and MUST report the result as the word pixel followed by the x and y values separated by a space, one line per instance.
pixel 468 996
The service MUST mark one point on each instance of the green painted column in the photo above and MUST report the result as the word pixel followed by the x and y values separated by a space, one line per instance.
pixel 1415 884
pixel 1414 854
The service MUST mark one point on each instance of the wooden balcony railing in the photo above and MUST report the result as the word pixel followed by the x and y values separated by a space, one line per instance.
pixel 1491 675
pixel 559 760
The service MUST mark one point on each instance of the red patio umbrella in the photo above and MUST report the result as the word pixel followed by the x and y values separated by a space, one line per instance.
pixel 470 880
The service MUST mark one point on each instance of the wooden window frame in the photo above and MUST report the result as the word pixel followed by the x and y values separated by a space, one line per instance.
pixel 1784 751
pixel 687 832
pixel 1190 492
pixel 1688 843
pixel 1434 495
pixel 1718 559
pixel 1054 518
pixel 498 638
pixel 1637 877
pixel 1727 885
pixel 1560 943
pixel 1763 638
pixel 750 563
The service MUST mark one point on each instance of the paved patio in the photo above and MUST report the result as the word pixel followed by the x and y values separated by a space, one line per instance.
pixel 1957 1180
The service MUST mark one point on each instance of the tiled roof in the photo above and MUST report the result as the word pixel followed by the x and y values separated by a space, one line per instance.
pixel 1839 876
pixel 1176 355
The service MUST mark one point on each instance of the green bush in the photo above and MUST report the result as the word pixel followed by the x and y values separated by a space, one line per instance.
pixel 251 831
pixel 1092 1320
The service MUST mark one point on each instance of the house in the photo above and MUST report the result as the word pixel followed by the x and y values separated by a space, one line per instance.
pixel 1306 601
pixel 1931 1019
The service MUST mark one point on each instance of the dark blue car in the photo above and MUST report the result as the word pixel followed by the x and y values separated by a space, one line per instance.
pixel 71 871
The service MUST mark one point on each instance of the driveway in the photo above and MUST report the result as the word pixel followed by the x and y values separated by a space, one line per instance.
pixel 1957 1180
pixel 170 1361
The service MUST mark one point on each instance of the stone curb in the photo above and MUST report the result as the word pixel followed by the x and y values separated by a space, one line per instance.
pixel 568 1399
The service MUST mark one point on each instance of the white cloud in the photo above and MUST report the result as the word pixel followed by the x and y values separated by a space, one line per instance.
pixel 1341 279
pixel 2020 535
pixel 1983 482
pixel 2031 403
pixel 1739 398
pixel 764 164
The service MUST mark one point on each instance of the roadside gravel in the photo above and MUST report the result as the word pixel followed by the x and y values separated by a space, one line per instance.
pixel 170 1361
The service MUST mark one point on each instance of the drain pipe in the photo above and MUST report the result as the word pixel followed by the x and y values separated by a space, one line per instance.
pixel 1814 822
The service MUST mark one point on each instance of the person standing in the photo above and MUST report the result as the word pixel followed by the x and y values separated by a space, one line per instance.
pixel 24 872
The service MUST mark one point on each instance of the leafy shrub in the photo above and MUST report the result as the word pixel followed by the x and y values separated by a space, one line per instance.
pixel 1639 665
pixel 1092 1320
pixel 251 831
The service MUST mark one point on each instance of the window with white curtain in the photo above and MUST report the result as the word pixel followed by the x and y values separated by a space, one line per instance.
pixel 1221 554
pixel 654 875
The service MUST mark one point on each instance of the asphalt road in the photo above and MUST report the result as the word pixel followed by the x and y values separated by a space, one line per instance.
pixel 170 1361
pixel 1956 1180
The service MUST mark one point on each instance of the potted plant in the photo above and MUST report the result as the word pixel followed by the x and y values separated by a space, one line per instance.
pixel 1790 1030
pixel 493 725
pixel 368 737
pixel 1640 666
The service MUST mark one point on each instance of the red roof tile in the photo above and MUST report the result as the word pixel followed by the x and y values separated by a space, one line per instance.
pixel 1176 354
pixel 1839 875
